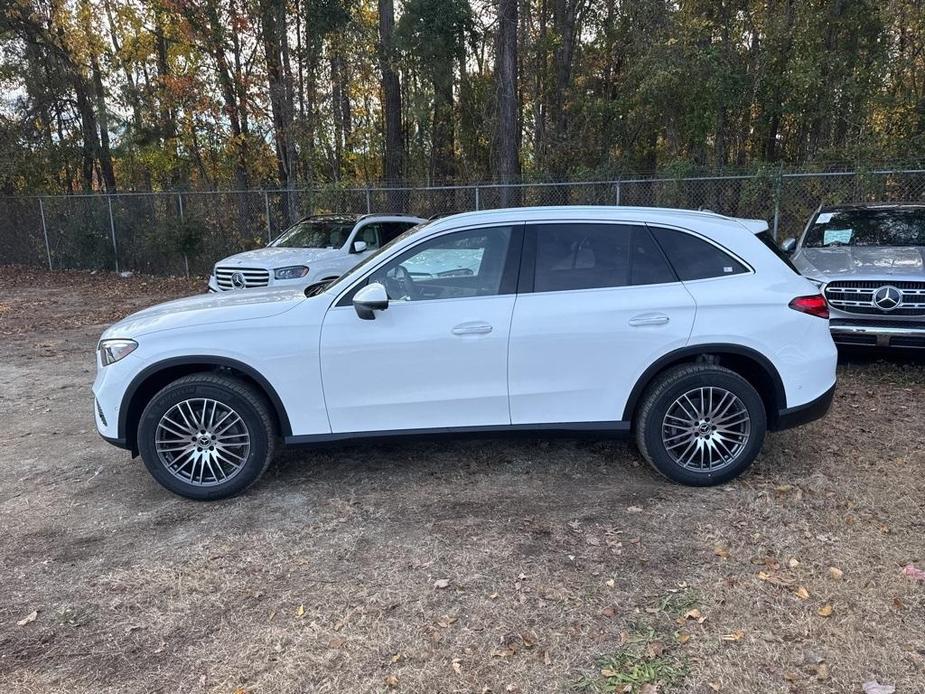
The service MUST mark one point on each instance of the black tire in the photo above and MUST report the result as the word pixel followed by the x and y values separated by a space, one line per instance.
pixel 671 385
pixel 249 404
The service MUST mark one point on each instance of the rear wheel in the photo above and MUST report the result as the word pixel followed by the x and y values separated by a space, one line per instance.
pixel 700 424
pixel 206 436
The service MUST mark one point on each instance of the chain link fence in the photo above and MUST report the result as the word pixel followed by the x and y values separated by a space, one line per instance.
pixel 185 233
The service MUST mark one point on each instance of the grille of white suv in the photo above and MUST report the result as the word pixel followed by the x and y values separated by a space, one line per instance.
pixel 251 277
pixel 857 296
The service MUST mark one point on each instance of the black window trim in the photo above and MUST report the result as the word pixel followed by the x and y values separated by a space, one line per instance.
pixel 527 281
pixel 509 276
pixel 750 270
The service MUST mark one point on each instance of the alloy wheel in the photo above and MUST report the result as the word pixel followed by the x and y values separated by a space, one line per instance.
pixel 706 429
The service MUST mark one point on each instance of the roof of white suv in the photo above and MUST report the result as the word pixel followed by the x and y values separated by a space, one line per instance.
pixel 654 215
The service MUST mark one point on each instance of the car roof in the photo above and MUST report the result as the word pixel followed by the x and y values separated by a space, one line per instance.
pixel 871 206
pixel 655 215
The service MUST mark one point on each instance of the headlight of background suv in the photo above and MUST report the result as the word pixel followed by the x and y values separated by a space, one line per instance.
pixel 290 273
pixel 113 350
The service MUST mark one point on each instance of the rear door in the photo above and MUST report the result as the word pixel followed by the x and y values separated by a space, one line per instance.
pixel 597 304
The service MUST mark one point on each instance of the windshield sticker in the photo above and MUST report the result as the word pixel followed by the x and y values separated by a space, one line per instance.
pixel 824 218
pixel 841 236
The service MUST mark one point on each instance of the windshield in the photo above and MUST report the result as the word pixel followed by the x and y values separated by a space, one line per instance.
pixel 868 227
pixel 315 233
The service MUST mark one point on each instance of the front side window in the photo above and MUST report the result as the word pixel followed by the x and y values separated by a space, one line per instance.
pixel 315 233
pixel 463 264
pixel 573 256
pixel 867 227
pixel 370 235
pixel 694 258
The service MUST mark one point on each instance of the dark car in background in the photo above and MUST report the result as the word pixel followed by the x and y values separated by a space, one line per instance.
pixel 868 260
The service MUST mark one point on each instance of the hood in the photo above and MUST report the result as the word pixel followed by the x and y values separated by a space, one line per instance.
pixel 271 258
pixel 862 262
pixel 208 309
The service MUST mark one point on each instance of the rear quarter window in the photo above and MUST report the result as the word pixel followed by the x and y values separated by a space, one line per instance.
pixel 694 258
pixel 766 238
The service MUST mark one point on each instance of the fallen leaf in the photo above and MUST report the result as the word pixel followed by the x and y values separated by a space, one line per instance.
pixel 825 610
pixel 713 685
pixel 654 649
pixel 28 619
pixel 721 552
pixel 396 657
pixel 441 583
pixel 683 637
pixel 608 612
pixel 445 621
pixel 801 593
pixel 793 562
pixel 648 688
pixel 693 614
pixel 836 573
pixel 634 509
pixel 734 636
pixel 336 642
pixel 610 583
pixel 528 639
pixel 874 687
pixel 914 572
pixel 391 681
pixel 301 611
pixel 457 667
pixel 493 596
pixel 609 672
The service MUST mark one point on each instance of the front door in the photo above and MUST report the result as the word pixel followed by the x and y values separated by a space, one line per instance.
pixel 437 356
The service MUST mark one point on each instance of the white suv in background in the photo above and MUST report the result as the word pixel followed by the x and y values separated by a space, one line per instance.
pixel 684 328
pixel 317 248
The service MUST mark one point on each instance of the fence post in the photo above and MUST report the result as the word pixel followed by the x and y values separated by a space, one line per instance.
pixel 183 223
pixel 266 204
pixel 112 229
pixel 45 233
pixel 369 203
pixel 778 183
pixel 616 194
pixel 476 198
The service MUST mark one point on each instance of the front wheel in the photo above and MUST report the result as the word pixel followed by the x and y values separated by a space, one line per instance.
pixel 206 436
pixel 701 424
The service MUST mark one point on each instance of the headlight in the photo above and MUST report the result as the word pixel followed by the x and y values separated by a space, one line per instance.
pixel 290 273
pixel 112 351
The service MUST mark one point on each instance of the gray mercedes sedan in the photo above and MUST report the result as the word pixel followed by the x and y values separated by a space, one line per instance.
pixel 868 260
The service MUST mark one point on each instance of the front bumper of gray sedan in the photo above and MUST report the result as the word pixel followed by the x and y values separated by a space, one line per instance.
pixel 878 333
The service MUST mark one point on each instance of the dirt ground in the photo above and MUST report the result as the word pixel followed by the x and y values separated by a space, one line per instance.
pixel 473 566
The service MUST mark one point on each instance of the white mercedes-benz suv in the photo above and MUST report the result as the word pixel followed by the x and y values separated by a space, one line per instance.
pixel 314 249
pixel 683 328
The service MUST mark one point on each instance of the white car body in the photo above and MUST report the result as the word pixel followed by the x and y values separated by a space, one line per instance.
pixel 565 360
pixel 257 268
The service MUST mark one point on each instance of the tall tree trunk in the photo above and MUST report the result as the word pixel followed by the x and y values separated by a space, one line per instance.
pixel 442 153
pixel 392 161
pixel 105 157
pixel 507 131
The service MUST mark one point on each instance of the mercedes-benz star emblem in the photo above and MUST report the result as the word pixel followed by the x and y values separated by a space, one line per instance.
pixel 888 297
pixel 237 280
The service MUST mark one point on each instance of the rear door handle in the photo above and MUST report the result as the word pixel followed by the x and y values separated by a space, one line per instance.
pixel 649 319
pixel 472 329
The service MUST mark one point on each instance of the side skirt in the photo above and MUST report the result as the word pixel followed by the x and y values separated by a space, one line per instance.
pixel 568 429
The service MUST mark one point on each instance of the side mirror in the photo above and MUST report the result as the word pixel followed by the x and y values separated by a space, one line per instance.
pixel 789 245
pixel 359 246
pixel 369 299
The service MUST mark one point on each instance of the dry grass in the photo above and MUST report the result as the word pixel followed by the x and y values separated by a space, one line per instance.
pixel 563 558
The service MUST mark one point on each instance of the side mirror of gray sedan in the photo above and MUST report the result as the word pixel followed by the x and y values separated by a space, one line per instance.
pixel 789 245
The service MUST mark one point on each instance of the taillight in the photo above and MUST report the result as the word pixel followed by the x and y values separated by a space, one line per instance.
pixel 814 305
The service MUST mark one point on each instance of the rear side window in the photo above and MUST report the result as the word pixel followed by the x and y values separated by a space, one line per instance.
pixel 695 259
pixel 769 241
pixel 590 256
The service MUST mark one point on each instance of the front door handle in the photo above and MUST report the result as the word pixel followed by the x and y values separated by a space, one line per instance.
pixel 649 319
pixel 472 329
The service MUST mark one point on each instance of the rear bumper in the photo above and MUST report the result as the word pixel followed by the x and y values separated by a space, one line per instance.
pixel 878 333
pixel 805 413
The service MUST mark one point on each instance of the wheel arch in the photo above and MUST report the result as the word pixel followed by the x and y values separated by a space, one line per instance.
pixel 154 377
pixel 753 366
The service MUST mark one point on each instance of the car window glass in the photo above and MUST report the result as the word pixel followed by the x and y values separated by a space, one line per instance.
pixel 586 256
pixel 694 258
pixel 464 264
pixel 897 226
pixel 369 234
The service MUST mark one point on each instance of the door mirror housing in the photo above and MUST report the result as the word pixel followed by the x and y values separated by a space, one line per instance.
pixel 370 299
pixel 359 246
pixel 789 245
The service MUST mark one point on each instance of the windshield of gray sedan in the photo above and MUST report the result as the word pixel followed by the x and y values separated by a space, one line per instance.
pixel 315 233
pixel 867 227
